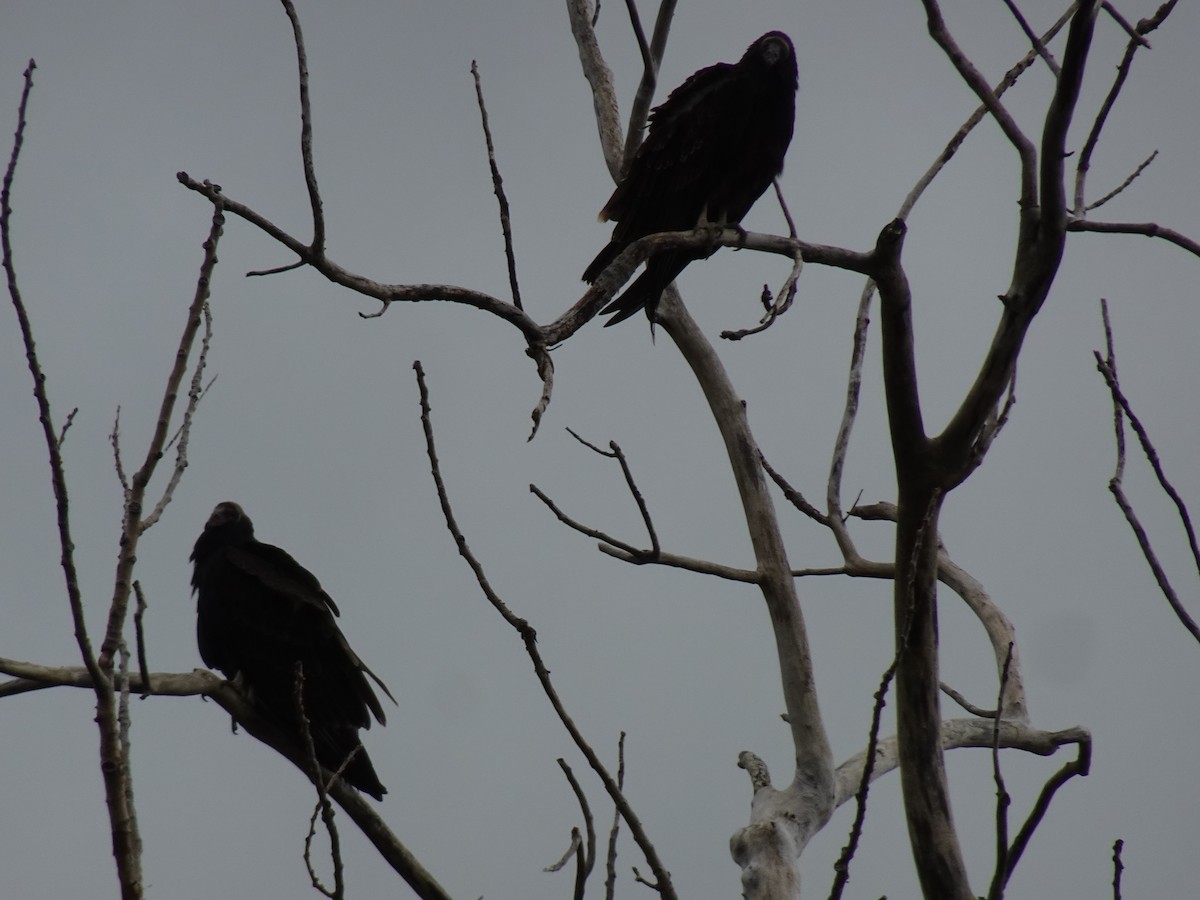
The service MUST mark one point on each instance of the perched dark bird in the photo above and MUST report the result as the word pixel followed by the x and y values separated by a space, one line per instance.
pixel 712 149
pixel 258 614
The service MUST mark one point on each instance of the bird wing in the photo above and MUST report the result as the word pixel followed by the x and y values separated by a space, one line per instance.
pixel 663 189
pixel 276 570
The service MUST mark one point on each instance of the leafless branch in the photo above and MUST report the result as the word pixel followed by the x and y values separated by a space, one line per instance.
pixel 996 625
pixel 779 817
pixel 615 452
pixel 783 208
pixel 688 563
pixel 958 734
pixel 575 849
pixel 842 866
pixel 498 189
pixel 114 438
pixel 1124 184
pixel 1121 410
pixel 652 58
pixel 1135 34
pixel 610 880
pixel 1038 45
pixel 793 496
pixel 322 806
pixel 67 422
pixel 140 634
pixel 975 80
pixel 306 150
pixel 599 78
pixel 966 704
pixel 202 683
pixel 585 854
pixel 53 445
pixel 113 764
pixel 133 524
pixel 1041 238
pixel 774 308
pixel 180 439
pixel 1136 40
pixel 529 638
pixel 835 516
pixel 123 725
pixel 951 148
pixel 1003 798
pixel 1081 765
pixel 1147 229
pixel 1118 867
pixel 585 529
pixel 639 35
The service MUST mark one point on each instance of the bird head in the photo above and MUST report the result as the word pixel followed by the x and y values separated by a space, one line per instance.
pixel 773 50
pixel 227 513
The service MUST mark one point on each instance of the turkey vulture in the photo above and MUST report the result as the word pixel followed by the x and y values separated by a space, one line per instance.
pixel 711 150
pixel 258 614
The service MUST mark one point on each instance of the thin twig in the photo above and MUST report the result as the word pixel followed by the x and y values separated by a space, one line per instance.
pixel 140 637
pixel 1146 229
pixel 124 723
pixel 773 308
pixel 317 247
pixel 966 704
pixel 1003 798
pixel 842 866
pixel 62 432
pixel 640 555
pixel 637 497
pixel 1124 184
pixel 585 853
pixel 1033 38
pixel 610 880
pixel 231 699
pixel 639 34
pixel 575 849
pixel 614 451
pixel 1135 34
pixel 835 514
pixel 529 638
pixel 940 33
pixel 1136 40
pixel 952 147
pixel 57 474
pixel 793 496
pixel 114 768
pixel 1122 410
pixel 1118 867
pixel 1081 765
pixel 196 393
pixel 652 59
pixel 498 189
pixel 322 805
pixel 114 438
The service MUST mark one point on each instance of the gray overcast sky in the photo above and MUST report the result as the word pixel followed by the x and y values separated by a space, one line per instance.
pixel 313 426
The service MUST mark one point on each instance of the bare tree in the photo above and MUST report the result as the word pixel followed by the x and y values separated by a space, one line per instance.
pixel 929 467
